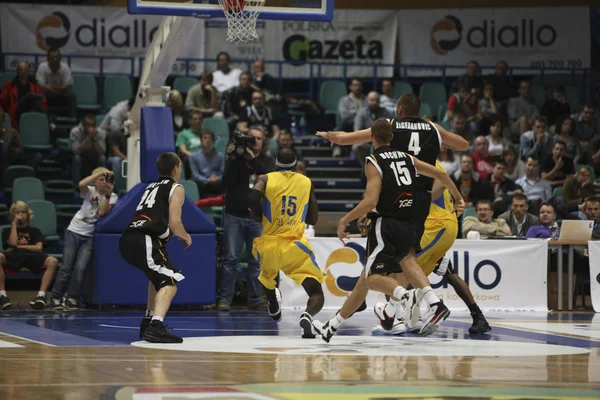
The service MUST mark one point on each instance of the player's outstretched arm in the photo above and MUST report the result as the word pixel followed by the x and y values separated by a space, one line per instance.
pixel 452 140
pixel 255 197
pixel 312 215
pixel 175 224
pixel 368 202
pixel 432 172
pixel 346 138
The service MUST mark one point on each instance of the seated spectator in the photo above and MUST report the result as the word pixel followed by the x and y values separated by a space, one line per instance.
pixel 204 97
pixel 515 168
pixel 12 151
pixel 503 87
pixel 518 219
pixel 21 95
pixel 269 86
pixel 259 114
pixel 592 212
pixel 387 99
pixel 484 224
pixel 116 117
pixel 565 131
pixel 537 142
pixel 78 249
pixel 238 99
pixel 285 141
pixel 55 78
pixel 487 105
pixel 207 167
pixel 557 106
pixel 472 77
pixel 556 168
pixel 459 124
pixel 349 105
pixel 496 142
pixel 225 78
pixel 591 155
pixel 547 228
pixel 483 160
pixel 504 189
pixel 89 147
pixel 466 101
pixel 117 150
pixel 534 187
pixel 522 110
pixel 578 188
pixel 363 120
pixel 448 160
pixel 24 248
pixel 188 140
pixel 471 186
pixel 175 102
pixel 587 125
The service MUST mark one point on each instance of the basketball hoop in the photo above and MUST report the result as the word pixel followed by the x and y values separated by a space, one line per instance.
pixel 241 19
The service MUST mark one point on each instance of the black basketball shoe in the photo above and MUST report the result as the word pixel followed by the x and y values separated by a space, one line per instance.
pixel 157 333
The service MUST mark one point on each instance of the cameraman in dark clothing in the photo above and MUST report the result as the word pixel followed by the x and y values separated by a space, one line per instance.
pixel 245 158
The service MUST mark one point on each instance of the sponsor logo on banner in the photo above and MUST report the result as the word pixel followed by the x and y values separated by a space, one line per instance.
pixel 337 282
pixel 53 31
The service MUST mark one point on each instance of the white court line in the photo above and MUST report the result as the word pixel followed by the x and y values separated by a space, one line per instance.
pixel 29 340
pixel 203 329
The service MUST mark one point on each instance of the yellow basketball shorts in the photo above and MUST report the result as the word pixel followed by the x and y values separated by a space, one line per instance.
pixel 438 238
pixel 295 258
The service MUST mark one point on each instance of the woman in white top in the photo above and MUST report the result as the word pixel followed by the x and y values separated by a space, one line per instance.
pixel 515 168
pixel 496 142
pixel 448 160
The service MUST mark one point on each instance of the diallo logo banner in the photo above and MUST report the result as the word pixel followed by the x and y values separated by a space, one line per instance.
pixel 60 27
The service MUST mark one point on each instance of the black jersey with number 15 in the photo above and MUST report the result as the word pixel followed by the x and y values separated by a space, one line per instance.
pixel 420 139
pixel 152 212
pixel 398 183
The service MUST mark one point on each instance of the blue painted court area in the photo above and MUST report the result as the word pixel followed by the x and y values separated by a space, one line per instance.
pixel 120 328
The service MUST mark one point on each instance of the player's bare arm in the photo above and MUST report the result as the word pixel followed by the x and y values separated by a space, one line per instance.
pixel 255 197
pixel 437 190
pixel 312 215
pixel 347 138
pixel 433 172
pixel 175 223
pixel 452 140
pixel 366 204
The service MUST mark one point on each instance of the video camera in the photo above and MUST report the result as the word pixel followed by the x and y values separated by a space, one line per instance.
pixel 242 141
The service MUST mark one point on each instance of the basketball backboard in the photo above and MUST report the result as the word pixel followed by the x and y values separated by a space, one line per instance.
pixel 290 10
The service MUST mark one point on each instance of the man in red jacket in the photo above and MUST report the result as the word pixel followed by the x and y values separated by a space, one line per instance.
pixel 22 94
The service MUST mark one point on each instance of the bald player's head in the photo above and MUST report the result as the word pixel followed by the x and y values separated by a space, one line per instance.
pixel 286 159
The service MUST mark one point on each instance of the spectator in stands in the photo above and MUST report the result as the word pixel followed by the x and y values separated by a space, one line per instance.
pixel 238 99
pixel 89 147
pixel 578 188
pixel 259 114
pixel 466 101
pixel 55 78
pixel 556 167
pixel 470 184
pixel 240 227
pixel 349 106
pixel 21 95
pixel 547 228
pixel 116 117
pixel 522 110
pixel 504 189
pixel 12 151
pixel 503 87
pixel 496 142
pixel 285 141
pixel 487 105
pixel 556 106
pixel 98 200
pixel 301 168
pixel 207 167
pixel 535 188
pixel 188 140
pixel 484 222
pixel 518 219
pixel 537 142
pixel 364 119
pixel 24 248
pixel 387 100
pixel 459 124
pixel 592 212
pixel 448 160
pixel 204 97
pixel 482 158
pixel 117 150
pixel 175 103
pixel 270 87
pixel 587 125
pixel 472 78
pixel 565 131
pixel 225 78
pixel 515 168
pixel 591 154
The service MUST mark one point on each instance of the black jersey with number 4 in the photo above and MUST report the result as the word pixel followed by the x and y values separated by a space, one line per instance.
pixel 399 195
pixel 420 139
pixel 152 212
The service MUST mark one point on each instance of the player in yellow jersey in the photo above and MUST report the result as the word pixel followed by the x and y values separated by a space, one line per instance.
pixel 284 201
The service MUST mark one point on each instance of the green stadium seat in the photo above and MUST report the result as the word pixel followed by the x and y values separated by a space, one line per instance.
pixel 64 144
pixel 6 120
pixel 60 187
pixel 218 126
pixel 539 95
pixel 557 192
pixel 6 76
pixel 470 212
pixel 433 94
pixel 442 113
pixel 191 189
pixel 85 89
pixel 425 110
pixel 184 83
pixel 330 93
pixel 34 130
pixel 13 172
pixel 44 218
pixel 401 87
pixel 573 98
pixel 27 189
pixel 116 89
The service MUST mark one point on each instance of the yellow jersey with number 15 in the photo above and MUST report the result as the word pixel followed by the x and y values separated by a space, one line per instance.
pixel 442 208
pixel 285 204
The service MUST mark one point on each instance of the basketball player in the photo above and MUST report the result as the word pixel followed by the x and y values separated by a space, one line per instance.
pixel 392 195
pixel 288 204
pixel 156 218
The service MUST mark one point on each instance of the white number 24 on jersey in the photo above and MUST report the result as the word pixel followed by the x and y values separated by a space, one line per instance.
pixel 149 198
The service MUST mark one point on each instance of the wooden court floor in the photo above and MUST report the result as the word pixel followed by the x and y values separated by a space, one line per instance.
pixel 245 355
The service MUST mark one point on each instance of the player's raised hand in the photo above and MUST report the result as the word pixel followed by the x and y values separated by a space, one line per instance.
pixel 186 241
pixel 459 207
pixel 341 232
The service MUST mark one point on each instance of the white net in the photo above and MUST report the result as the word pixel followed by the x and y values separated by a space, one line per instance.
pixel 241 19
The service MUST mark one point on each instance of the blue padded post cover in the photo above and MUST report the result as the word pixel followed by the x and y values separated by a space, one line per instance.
pixel 156 137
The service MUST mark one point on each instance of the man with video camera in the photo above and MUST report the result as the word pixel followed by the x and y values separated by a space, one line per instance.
pixel 246 158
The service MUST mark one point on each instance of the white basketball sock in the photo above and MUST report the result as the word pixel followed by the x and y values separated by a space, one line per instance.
pixel 430 296
pixel 336 321
pixel 155 318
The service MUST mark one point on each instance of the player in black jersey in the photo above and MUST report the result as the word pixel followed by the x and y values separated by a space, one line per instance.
pixel 157 217
pixel 391 198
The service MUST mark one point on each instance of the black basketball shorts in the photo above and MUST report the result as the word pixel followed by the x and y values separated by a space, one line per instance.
pixel 21 258
pixel 149 255
pixel 388 242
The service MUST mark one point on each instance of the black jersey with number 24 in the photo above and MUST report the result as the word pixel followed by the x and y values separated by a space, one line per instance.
pixel 397 198
pixel 152 212
pixel 420 139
